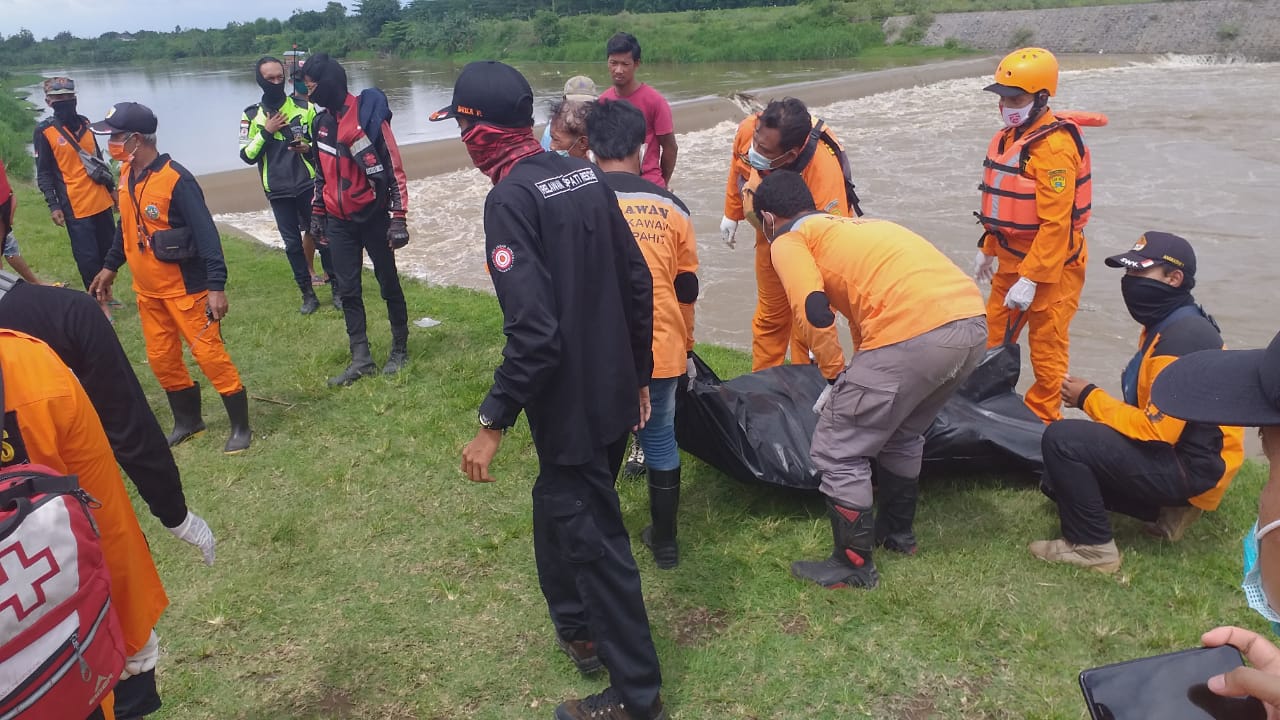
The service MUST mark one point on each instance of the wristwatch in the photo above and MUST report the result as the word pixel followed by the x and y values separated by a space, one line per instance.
pixel 487 423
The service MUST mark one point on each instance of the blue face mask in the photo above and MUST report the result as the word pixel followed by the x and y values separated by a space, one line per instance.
pixel 561 153
pixel 757 160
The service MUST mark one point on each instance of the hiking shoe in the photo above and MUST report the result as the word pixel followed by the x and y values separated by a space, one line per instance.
pixel 582 653
pixel 635 461
pixel 607 706
pixel 1172 522
pixel 1103 558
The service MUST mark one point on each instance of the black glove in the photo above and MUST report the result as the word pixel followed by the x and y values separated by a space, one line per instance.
pixel 317 228
pixel 397 234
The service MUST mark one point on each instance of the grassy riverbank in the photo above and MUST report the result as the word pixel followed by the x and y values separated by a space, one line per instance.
pixel 17 121
pixel 360 576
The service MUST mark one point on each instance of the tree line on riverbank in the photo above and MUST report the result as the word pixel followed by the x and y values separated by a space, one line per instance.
pixel 548 30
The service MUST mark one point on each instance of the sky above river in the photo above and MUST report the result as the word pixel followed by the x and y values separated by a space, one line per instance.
pixel 91 18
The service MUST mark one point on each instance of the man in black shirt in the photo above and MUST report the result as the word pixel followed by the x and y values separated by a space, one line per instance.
pixel 577 299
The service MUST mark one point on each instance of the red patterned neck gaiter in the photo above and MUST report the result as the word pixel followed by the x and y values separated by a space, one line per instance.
pixel 494 149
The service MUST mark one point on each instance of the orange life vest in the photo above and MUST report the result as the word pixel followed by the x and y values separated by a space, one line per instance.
pixel 86 197
pixel 1009 193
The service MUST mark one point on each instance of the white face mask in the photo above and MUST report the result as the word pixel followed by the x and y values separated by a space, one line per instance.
pixel 1015 116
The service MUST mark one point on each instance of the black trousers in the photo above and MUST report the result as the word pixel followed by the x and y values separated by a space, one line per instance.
pixel 293 217
pixel 348 242
pixel 1090 469
pixel 90 240
pixel 588 574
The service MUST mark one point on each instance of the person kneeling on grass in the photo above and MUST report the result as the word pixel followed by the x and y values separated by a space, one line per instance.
pixel 1132 457
pixel 920 329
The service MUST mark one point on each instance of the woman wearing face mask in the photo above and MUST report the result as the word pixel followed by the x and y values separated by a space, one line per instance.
pixel 1132 457
pixel 568 127
pixel 1036 194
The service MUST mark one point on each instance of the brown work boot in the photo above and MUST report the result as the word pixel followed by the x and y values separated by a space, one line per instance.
pixel 582 653
pixel 1172 522
pixel 1104 558
pixel 607 706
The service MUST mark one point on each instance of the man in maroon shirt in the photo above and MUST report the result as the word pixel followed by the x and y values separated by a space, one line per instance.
pixel 659 156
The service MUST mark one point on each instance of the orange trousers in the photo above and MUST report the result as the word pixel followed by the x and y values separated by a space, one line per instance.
pixel 1049 323
pixel 772 326
pixel 166 323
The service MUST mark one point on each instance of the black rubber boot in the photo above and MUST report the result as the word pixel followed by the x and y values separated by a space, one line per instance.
pixel 187 422
pixel 897 512
pixel 361 364
pixel 399 350
pixel 850 564
pixel 664 507
pixel 310 303
pixel 241 436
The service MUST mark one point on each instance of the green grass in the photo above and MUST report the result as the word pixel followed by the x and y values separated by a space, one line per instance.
pixel 359 575
pixel 17 122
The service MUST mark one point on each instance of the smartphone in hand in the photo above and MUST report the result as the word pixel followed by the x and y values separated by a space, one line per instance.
pixel 1168 687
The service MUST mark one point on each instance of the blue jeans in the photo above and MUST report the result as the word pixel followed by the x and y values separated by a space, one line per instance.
pixel 658 436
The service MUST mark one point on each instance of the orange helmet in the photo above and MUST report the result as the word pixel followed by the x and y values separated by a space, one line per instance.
pixel 1028 70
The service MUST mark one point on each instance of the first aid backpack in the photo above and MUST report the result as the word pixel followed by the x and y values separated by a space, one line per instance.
pixel 61 646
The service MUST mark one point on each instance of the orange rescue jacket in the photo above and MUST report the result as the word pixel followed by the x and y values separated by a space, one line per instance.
pixel 1037 189
pixel 889 282
pixel 84 197
pixel 48 420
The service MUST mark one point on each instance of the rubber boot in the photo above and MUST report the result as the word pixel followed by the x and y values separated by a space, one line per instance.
pixel 187 422
pixel 361 364
pixel 237 405
pixel 310 303
pixel 850 564
pixel 399 350
pixel 897 512
pixel 664 507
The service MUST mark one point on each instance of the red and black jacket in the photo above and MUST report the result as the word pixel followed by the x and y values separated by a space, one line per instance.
pixel 358 172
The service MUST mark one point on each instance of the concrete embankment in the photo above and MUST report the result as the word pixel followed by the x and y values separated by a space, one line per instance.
pixel 240 191
pixel 1247 28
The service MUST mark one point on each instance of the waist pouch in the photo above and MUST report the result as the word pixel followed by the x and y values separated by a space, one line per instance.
pixel 98 169
pixel 175 245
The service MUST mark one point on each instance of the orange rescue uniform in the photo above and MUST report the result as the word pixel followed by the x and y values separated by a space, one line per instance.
pixel 771 327
pixel 889 282
pixel 171 295
pixel 660 223
pixel 48 420
pixel 1050 250
pixel 86 197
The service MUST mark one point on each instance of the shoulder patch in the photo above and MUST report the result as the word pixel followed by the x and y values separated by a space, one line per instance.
pixel 13 451
pixel 502 258
pixel 1058 180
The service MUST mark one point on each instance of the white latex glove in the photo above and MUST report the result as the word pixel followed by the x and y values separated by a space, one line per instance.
pixel 143 660
pixel 984 266
pixel 822 399
pixel 690 369
pixel 728 231
pixel 196 531
pixel 1020 295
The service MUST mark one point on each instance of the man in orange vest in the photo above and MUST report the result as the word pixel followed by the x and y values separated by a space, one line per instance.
pixel 1036 194
pixel 48 420
pixel 918 329
pixel 76 182
pixel 179 276
pixel 782 137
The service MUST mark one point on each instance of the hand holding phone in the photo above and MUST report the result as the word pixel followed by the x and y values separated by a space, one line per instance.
pixel 1168 687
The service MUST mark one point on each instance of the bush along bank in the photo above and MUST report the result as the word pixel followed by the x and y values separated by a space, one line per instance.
pixel 17 122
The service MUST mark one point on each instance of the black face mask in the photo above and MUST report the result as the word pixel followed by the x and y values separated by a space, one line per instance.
pixel 1150 301
pixel 272 93
pixel 65 111
pixel 331 82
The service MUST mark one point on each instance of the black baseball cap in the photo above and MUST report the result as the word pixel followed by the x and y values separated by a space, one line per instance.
pixel 492 92
pixel 127 117
pixel 1155 247
pixel 1238 388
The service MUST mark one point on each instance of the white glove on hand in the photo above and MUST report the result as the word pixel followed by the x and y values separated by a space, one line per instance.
pixel 728 231
pixel 822 399
pixel 984 266
pixel 690 369
pixel 143 660
pixel 1020 295
pixel 196 531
